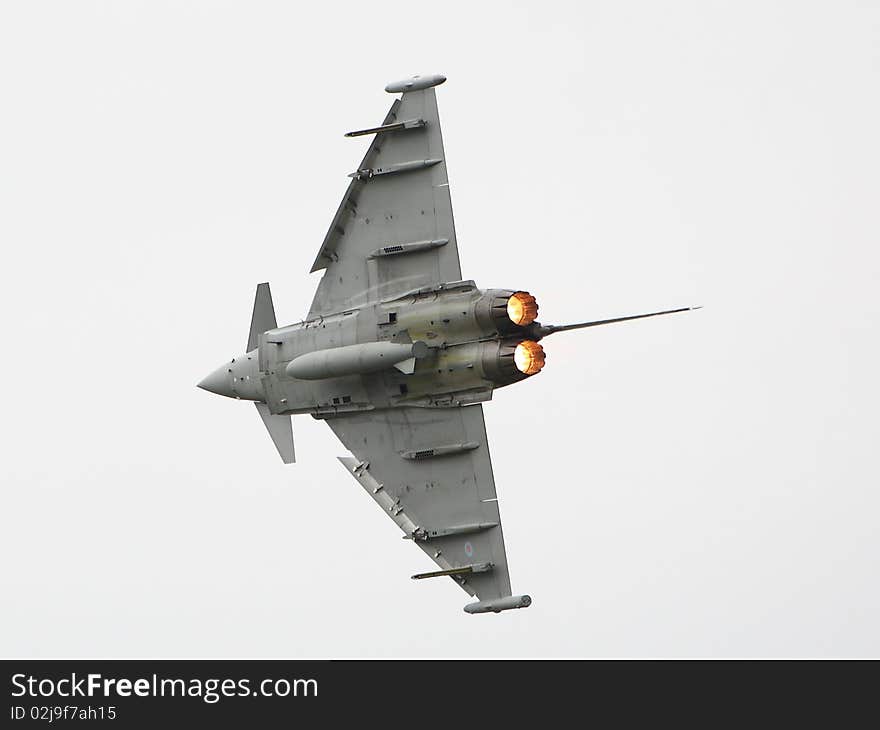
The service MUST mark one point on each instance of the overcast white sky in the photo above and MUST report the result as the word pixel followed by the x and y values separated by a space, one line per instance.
pixel 698 485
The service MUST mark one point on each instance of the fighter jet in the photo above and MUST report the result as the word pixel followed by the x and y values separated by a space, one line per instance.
pixel 397 353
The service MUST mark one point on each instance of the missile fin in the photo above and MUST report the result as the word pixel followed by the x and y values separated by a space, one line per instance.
pixel 407 367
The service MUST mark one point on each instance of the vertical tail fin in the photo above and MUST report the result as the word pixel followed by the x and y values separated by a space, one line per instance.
pixel 263 318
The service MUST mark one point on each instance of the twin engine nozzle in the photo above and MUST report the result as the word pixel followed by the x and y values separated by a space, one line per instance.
pixel 514 315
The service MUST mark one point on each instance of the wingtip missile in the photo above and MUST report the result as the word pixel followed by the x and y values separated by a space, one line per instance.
pixel 497 605
pixel 416 83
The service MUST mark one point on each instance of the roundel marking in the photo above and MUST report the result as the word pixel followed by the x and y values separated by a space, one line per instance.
pixel 468 549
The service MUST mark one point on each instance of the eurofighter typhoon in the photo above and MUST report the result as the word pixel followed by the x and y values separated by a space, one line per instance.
pixel 397 353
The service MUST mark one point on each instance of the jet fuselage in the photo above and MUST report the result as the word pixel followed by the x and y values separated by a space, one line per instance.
pixel 437 347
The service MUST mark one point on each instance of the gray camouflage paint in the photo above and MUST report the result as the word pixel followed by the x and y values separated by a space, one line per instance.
pixel 397 353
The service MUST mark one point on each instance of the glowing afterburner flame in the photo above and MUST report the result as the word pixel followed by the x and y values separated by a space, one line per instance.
pixel 522 308
pixel 529 357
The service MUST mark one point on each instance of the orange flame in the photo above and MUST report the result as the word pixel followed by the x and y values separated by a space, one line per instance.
pixel 529 357
pixel 522 308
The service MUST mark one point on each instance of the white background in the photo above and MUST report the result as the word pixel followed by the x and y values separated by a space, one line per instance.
pixel 697 485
